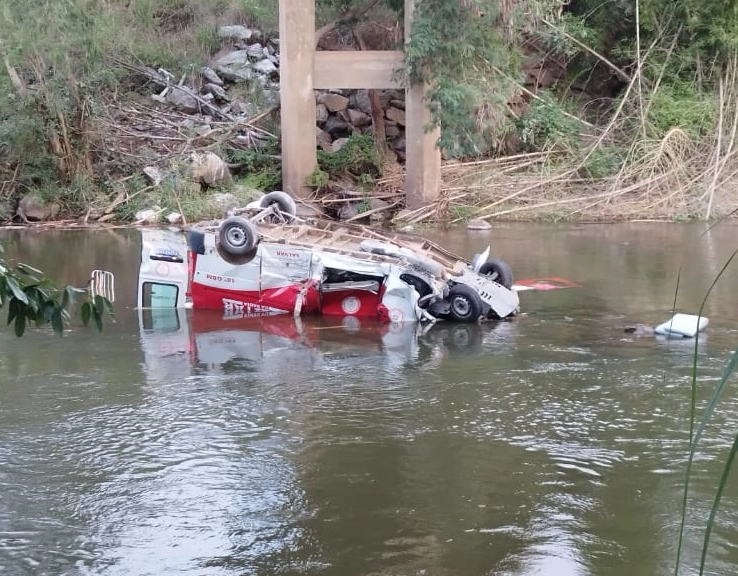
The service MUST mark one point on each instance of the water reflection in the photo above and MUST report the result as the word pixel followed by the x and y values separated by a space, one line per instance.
pixel 181 343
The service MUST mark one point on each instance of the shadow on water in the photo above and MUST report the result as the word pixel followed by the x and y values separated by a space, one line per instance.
pixel 180 443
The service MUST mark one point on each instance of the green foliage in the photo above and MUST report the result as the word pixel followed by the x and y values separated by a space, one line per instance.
pixel 467 62
pixel 262 165
pixel 604 161
pixel 545 125
pixel 680 104
pixel 318 178
pixel 357 156
pixel 32 299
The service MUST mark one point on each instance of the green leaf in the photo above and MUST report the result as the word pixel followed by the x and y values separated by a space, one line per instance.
pixel 97 317
pixel 86 312
pixel 14 309
pixel 103 304
pixel 20 325
pixel 16 289
pixel 57 323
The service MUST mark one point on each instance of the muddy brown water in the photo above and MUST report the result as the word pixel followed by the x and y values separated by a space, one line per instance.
pixel 554 444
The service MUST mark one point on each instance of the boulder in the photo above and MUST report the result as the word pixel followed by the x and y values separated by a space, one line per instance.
pixel 395 115
pixel 184 99
pixel 478 224
pixel 208 168
pixel 266 67
pixel 235 33
pixel 321 113
pixel 358 118
pixel 211 76
pixel 333 102
pixel 255 51
pixel 148 216
pixel 235 66
pixel 217 91
pixel 153 175
pixel 31 208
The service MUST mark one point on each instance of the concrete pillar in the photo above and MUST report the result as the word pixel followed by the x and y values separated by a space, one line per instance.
pixel 297 97
pixel 423 157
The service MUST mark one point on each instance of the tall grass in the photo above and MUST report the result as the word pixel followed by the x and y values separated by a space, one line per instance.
pixel 696 430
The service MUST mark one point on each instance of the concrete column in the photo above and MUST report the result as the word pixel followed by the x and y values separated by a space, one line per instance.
pixel 423 158
pixel 297 97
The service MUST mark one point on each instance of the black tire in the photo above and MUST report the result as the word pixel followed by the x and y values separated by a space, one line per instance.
pixel 237 236
pixel 499 271
pixel 465 304
pixel 285 204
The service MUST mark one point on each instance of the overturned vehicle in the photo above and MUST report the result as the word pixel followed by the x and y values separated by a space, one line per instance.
pixel 263 260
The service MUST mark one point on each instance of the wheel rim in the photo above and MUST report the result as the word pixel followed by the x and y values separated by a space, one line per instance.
pixel 236 236
pixel 461 306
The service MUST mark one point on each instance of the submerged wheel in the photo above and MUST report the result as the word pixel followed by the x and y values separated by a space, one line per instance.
pixel 499 271
pixel 465 305
pixel 238 236
pixel 284 202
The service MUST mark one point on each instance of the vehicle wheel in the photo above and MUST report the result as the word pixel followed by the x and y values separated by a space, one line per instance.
pixel 285 204
pixel 237 236
pixel 465 305
pixel 499 271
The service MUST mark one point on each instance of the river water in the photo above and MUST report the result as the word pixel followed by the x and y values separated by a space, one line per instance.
pixel 553 444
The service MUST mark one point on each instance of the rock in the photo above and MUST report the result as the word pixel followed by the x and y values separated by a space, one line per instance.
pixel 478 224
pixel 148 216
pixel 321 113
pixel 336 127
pixel 31 208
pixel 209 168
pixel 175 218
pixel 211 76
pixel 391 130
pixel 338 144
pixel 334 102
pixel 397 103
pixel 217 91
pixel 396 115
pixel 358 118
pixel 348 210
pixel 323 140
pixel 255 51
pixel 235 33
pixel 639 330
pixel 235 66
pixel 265 67
pixel 224 201
pixel 399 144
pixel 153 175
pixel 184 99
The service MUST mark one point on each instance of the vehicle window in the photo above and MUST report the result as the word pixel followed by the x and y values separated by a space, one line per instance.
pixel 156 295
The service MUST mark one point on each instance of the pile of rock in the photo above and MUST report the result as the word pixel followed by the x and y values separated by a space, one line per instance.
pixel 248 57
pixel 341 113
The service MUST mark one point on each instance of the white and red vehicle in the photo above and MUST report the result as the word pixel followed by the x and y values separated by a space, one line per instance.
pixel 272 263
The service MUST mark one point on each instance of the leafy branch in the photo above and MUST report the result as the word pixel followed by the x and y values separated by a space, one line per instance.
pixel 32 299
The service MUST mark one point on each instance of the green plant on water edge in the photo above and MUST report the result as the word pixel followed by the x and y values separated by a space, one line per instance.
pixel 32 299
pixel 696 429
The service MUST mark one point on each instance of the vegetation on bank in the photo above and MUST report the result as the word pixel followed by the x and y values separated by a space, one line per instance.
pixel 548 108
